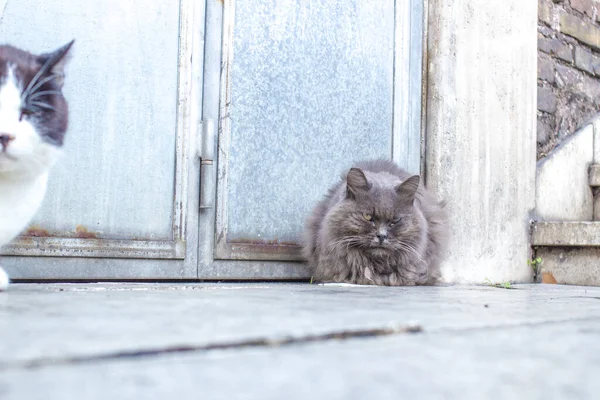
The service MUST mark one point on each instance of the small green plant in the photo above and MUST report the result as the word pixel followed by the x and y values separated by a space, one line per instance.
pixel 311 280
pixel 535 264
pixel 502 285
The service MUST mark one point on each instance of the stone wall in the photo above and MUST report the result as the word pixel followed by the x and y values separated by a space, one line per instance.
pixel 568 68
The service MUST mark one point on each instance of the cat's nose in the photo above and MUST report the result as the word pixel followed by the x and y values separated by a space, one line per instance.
pixel 381 236
pixel 5 139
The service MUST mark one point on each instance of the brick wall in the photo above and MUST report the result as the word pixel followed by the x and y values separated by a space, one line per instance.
pixel 568 68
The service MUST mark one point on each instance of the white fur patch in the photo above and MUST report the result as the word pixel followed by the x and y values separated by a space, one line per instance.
pixel 19 201
pixel 3 280
pixel 24 166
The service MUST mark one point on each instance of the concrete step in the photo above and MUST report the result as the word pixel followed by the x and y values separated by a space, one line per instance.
pixel 570 252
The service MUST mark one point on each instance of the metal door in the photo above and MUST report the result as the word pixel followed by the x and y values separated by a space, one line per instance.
pixel 307 88
pixel 118 201
pixel 202 132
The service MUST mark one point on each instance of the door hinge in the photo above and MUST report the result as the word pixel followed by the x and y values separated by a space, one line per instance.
pixel 206 154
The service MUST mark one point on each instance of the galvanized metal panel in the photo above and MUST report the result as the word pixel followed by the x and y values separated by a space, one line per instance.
pixel 307 90
pixel 408 84
pixel 117 178
pixel 205 92
pixel 180 249
pixel 210 111
pixel 208 267
pixel 311 92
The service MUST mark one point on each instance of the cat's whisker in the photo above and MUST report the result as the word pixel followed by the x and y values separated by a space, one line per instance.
pixel 50 63
pixel 43 82
pixel 43 93
pixel 34 81
pixel 42 105
pixel 411 250
pixel 30 108
pixel 344 243
pixel 419 255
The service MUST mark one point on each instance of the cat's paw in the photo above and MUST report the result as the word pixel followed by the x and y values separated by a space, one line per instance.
pixel 4 280
pixel 341 284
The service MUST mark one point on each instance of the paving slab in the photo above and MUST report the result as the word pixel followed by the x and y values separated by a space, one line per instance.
pixel 547 361
pixel 295 341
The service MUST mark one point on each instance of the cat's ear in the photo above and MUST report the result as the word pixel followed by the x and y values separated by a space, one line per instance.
pixel 407 190
pixel 356 183
pixel 54 62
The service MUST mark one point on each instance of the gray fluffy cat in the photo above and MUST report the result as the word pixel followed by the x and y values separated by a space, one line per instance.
pixel 378 226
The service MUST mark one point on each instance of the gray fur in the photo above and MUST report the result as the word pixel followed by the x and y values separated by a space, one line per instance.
pixel 403 243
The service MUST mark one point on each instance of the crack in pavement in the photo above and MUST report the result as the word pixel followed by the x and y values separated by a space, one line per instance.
pixel 241 344
pixel 284 341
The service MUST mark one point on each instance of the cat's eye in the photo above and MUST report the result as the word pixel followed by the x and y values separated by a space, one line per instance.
pixel 25 113
pixel 367 216
pixel 394 222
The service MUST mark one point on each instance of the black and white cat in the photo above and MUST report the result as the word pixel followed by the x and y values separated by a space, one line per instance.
pixel 33 122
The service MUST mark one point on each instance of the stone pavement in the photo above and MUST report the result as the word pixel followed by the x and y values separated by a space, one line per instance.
pixel 298 341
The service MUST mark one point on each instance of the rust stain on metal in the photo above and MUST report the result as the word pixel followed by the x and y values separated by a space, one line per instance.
pixel 27 240
pixel 35 231
pixel 83 233
pixel 547 277
pixel 252 249
pixel 269 243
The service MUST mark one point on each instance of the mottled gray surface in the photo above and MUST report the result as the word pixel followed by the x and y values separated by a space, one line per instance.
pixel 311 92
pixel 569 265
pixel 533 342
pixel 409 85
pixel 122 90
pixel 481 114
pixel 540 362
pixel 562 185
